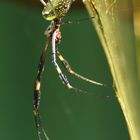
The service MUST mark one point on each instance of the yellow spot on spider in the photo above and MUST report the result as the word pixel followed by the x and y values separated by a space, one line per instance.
pixel 61 58
pixel 71 71
pixel 59 70
pixel 69 86
pixel 51 18
pixel 38 86
pixel 35 112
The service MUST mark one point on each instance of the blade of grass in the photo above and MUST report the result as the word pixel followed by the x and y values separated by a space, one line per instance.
pixel 114 24
pixel 136 10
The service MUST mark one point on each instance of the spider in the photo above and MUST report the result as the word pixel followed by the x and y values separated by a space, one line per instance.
pixel 54 11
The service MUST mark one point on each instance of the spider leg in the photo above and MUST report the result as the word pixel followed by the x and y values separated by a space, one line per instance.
pixel 37 92
pixel 72 72
pixel 43 2
pixel 63 77
pixel 77 21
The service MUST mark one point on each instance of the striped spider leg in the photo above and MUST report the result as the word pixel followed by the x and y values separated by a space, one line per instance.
pixel 72 72
pixel 37 92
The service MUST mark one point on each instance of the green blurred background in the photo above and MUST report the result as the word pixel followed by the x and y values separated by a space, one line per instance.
pixel 66 115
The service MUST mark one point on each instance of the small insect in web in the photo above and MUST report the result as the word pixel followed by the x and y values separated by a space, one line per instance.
pixel 54 11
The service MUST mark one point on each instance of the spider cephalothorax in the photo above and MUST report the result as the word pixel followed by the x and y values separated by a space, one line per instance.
pixel 56 9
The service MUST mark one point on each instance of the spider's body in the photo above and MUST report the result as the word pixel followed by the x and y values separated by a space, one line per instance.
pixel 56 9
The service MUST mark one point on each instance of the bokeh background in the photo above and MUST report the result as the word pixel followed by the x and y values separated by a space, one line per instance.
pixel 66 115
